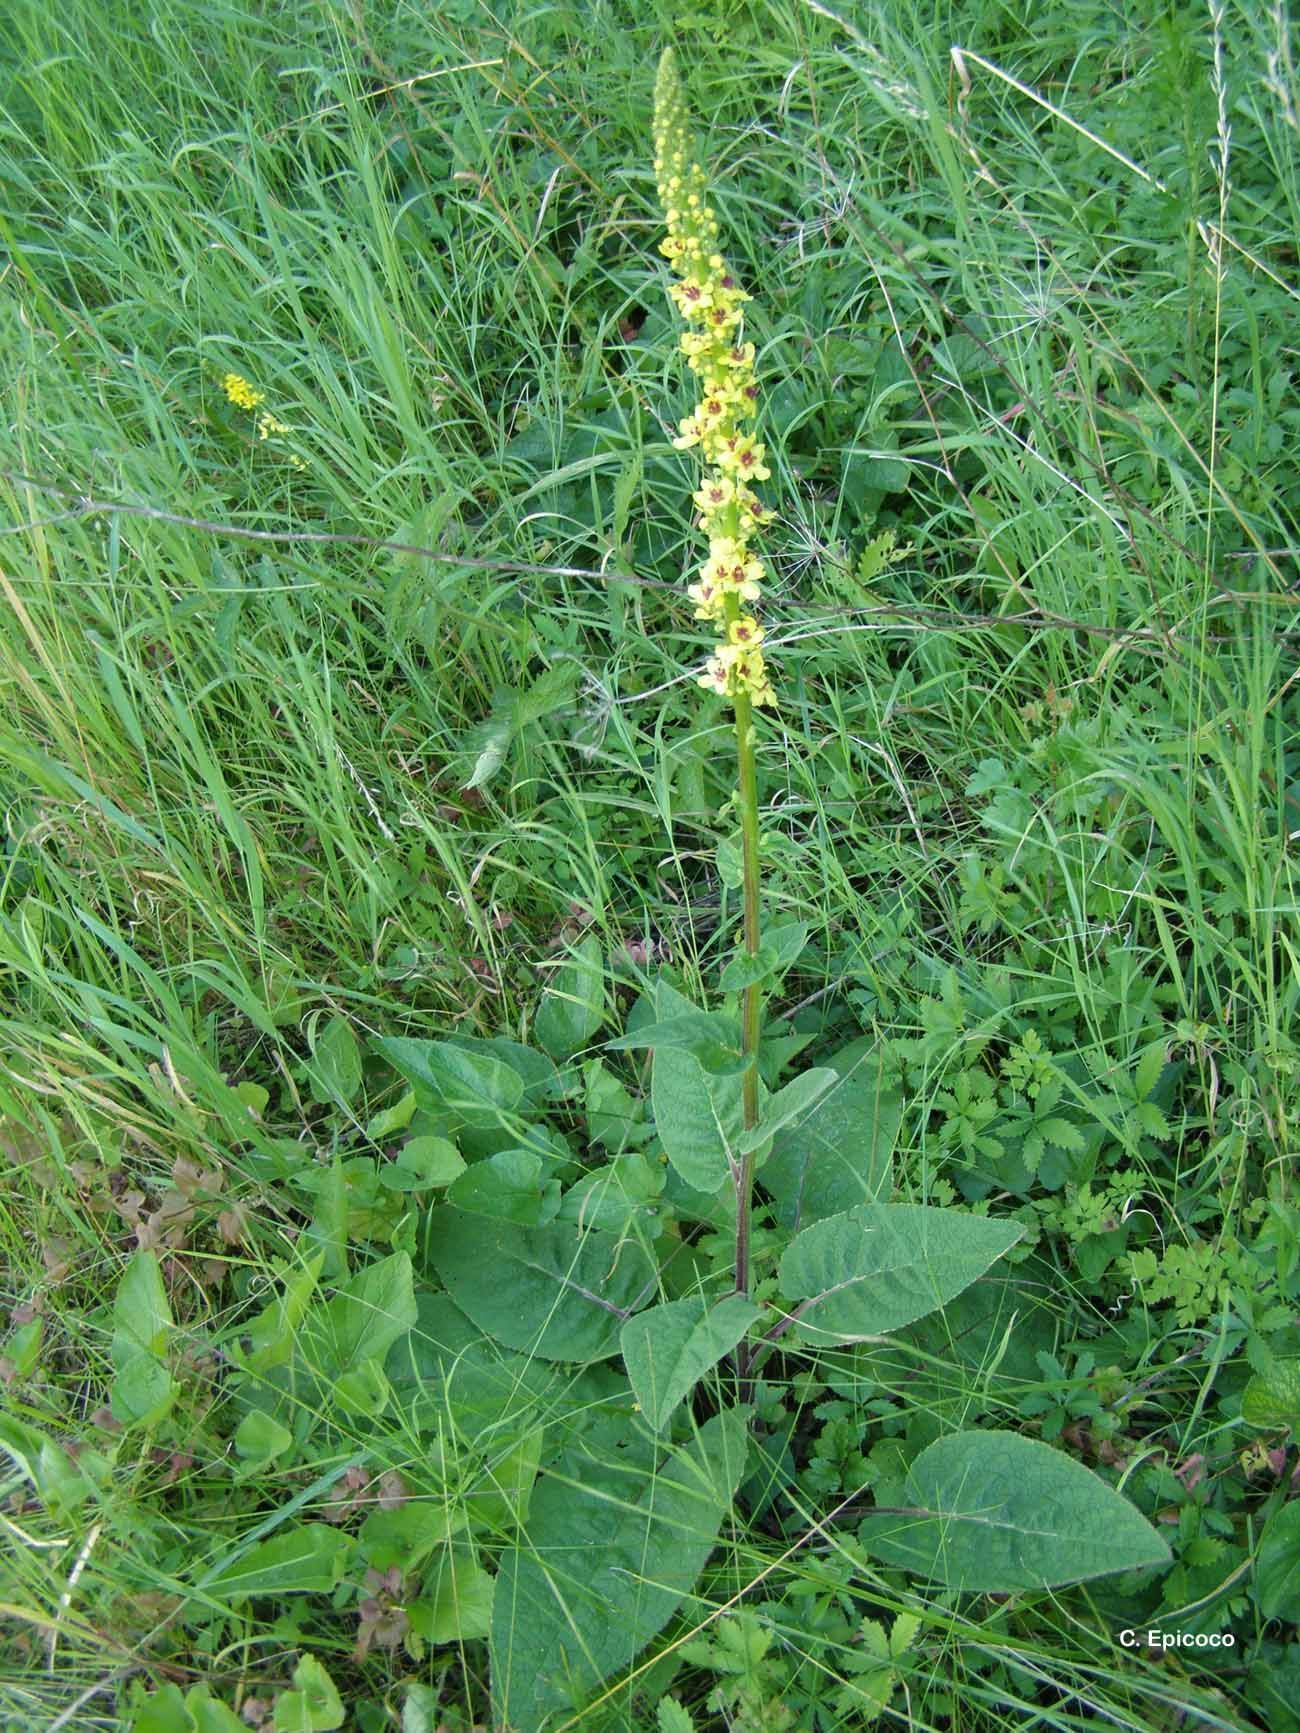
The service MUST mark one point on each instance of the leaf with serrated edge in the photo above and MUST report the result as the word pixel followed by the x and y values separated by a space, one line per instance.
pixel 668 1349
pixel 880 1266
pixel 601 1575
pixel 996 1512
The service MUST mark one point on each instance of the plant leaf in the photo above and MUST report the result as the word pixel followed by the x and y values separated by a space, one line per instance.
pixel 1273 1398
pixel 510 1186
pixel 559 1292
pixel 668 1349
pixel 335 1073
pixel 788 1104
pixel 698 1117
pixel 997 1512
pixel 363 1320
pixel 837 1154
pixel 1277 1568
pixel 303 1559
pixel 573 1005
pixel 476 1088
pixel 602 1574
pixel 880 1266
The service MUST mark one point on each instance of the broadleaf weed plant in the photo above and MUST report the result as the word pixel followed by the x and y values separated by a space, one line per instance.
pixel 508 1349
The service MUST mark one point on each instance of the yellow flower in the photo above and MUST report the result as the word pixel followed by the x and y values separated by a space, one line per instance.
pixel 240 392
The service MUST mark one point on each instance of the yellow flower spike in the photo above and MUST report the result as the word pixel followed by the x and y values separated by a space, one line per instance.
pixel 240 392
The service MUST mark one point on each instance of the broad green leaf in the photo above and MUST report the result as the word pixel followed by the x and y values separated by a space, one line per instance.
pixel 1277 1567
pixel 698 1117
pixel 423 1162
pixel 697 1032
pixel 500 1499
pixel 777 950
pixel 601 1575
pixel 259 1439
pixel 166 1711
pixel 392 1119
pixel 667 1349
pixel 880 1266
pixel 559 1292
pixel 406 1536
pixel 362 1389
pixel 307 1558
pixel 476 1088
pixel 455 1605
pixel 996 1512
pixel 141 1315
pixel 363 1320
pixel 272 1333
pixel 313 1706
pixel 790 1103
pixel 573 1004
pixel 143 1389
pixel 511 1186
pixel 336 1063
pixel 1273 1398
pixel 610 1196
pixel 614 1118
pixel 838 1153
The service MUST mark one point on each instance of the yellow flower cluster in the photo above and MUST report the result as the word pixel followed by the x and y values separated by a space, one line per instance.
pixel 711 302
pixel 245 396
pixel 240 392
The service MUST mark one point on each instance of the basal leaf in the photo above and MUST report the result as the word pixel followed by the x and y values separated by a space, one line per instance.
pixel 668 1349
pixel 880 1266
pixel 600 1575
pixel 996 1512
pixel 336 1063
pixel 560 1292
pixel 363 1319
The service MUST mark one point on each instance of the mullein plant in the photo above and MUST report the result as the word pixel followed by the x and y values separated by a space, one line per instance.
pixel 729 582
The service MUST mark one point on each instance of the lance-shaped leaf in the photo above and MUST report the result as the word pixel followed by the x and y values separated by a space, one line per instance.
pixel 996 1512
pixel 560 1292
pixel 880 1266
pixel 602 1572
pixel 573 1005
pixel 475 1088
pixel 669 1348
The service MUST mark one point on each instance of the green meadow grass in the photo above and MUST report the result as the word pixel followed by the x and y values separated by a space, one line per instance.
pixel 365 720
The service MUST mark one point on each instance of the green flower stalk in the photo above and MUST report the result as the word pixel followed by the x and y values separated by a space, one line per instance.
pixel 730 581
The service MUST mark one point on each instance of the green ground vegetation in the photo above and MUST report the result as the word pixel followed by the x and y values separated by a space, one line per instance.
pixel 365 714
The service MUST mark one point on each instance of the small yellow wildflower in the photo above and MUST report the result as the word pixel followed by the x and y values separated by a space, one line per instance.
pixel 712 303
pixel 240 392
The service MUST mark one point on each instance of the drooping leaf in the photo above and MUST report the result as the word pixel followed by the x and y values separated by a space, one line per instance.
pixel 573 1004
pixel 143 1387
pixel 996 1512
pixel 837 1154
pixel 667 1349
pixel 141 1314
pixel 880 1266
pixel 794 1102
pixel 560 1292
pixel 698 1117
pixel 600 1575
pixel 1277 1568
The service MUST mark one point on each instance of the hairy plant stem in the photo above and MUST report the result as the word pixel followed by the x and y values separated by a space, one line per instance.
pixel 751 1000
